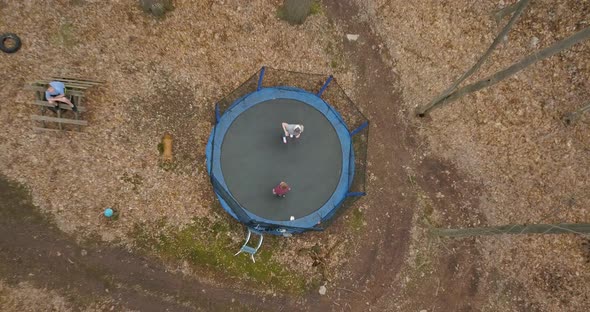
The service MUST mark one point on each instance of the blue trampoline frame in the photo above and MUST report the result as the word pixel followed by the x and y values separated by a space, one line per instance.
pixel 263 94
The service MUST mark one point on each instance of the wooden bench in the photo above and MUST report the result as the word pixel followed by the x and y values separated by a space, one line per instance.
pixel 61 105
pixel 74 90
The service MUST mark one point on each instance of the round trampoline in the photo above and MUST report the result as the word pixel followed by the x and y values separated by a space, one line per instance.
pixel 246 159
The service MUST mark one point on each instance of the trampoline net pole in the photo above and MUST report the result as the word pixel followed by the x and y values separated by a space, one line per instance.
pixel 217 114
pixel 325 86
pixel 260 79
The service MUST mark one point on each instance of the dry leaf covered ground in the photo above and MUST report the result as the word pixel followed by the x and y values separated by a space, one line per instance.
pixel 533 168
pixel 161 75
pixel 164 76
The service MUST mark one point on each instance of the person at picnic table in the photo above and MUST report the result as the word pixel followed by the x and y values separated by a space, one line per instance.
pixel 281 190
pixel 55 94
pixel 291 131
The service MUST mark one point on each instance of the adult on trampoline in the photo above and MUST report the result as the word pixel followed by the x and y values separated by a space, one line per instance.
pixel 291 130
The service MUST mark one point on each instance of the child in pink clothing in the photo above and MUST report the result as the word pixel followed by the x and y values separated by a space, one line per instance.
pixel 281 190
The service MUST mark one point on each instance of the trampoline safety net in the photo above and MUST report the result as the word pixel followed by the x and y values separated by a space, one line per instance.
pixel 332 93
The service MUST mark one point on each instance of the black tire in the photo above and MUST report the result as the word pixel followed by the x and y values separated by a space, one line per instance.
pixel 7 36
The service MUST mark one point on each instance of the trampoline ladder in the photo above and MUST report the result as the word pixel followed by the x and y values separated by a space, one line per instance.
pixel 250 250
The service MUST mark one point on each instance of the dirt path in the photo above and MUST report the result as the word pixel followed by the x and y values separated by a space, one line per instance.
pixel 373 276
pixel 32 250
pixel 389 217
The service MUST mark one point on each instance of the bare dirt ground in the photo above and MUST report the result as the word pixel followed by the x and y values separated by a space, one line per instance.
pixel 420 174
pixel 403 196
pixel 94 275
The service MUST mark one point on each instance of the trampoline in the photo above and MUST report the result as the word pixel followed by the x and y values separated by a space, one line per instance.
pixel 246 158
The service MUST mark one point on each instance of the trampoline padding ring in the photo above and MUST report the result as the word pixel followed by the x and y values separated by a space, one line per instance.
pixel 249 159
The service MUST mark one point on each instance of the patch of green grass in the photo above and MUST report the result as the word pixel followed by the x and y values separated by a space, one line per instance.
pixel 334 64
pixel 428 210
pixel 337 57
pixel 316 8
pixel 423 262
pixel 201 166
pixel 412 180
pixel 280 13
pixel 329 49
pixel 357 219
pixel 208 245
pixel 3 296
pixel 216 206
pixel 135 179
pixel 65 36
pixel 167 165
pixel 427 218
pixel 420 272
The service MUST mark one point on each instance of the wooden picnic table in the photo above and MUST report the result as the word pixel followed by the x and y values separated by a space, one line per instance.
pixel 74 90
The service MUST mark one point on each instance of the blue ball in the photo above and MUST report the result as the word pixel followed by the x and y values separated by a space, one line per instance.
pixel 108 212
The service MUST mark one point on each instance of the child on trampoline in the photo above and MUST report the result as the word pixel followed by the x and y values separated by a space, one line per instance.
pixel 281 190
pixel 291 131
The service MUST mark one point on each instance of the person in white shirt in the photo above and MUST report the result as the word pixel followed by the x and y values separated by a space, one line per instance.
pixel 291 131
